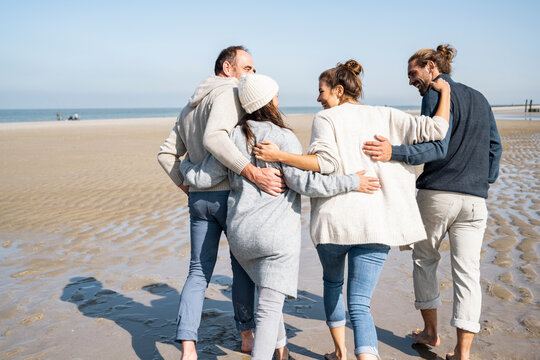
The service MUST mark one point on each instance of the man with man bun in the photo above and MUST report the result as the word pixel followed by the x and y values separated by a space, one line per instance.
pixel 451 196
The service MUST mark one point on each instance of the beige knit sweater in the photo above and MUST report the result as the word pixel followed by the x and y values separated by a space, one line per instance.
pixel 203 127
pixel 391 215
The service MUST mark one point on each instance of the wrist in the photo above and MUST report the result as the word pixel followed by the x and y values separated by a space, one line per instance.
pixel 249 172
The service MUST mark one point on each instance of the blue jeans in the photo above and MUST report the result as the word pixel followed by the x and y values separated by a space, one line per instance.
pixel 208 214
pixel 365 263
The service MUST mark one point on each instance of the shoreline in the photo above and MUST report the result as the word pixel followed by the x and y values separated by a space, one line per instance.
pixel 516 112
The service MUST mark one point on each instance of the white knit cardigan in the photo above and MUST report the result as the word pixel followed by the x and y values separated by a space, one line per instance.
pixel 391 215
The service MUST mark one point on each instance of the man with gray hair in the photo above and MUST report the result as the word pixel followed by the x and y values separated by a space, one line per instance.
pixel 203 127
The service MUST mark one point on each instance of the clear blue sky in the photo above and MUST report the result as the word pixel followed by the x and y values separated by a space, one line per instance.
pixel 62 54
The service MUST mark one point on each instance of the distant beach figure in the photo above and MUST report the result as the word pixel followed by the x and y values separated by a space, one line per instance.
pixel 358 226
pixel 451 195
pixel 74 117
pixel 58 116
pixel 264 231
pixel 203 127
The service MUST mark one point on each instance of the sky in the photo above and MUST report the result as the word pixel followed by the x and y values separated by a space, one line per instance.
pixel 103 54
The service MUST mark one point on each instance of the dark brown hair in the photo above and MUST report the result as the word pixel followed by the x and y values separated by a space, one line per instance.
pixel 228 55
pixel 346 75
pixel 268 112
pixel 442 57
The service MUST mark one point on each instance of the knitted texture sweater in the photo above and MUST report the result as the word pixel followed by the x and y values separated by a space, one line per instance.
pixel 203 127
pixel 264 230
pixel 389 216
pixel 467 160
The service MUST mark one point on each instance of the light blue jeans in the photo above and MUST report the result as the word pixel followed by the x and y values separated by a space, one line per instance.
pixel 208 214
pixel 365 263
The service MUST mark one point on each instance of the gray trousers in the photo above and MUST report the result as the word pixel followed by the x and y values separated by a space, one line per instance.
pixel 464 218
pixel 269 327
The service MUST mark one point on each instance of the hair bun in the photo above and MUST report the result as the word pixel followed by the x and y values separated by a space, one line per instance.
pixel 353 66
pixel 447 51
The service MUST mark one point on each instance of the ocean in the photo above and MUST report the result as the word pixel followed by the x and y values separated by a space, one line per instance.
pixel 39 115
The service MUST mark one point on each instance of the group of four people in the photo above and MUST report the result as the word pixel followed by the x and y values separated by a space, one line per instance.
pixel 244 175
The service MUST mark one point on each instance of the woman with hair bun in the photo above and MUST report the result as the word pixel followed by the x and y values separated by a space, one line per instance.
pixel 355 225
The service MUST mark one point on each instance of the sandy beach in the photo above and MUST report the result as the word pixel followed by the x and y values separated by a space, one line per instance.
pixel 95 250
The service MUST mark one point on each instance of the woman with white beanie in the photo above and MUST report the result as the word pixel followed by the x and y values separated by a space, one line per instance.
pixel 264 230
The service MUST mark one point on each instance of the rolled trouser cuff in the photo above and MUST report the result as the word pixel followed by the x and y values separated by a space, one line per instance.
pixel 245 326
pixel 431 304
pixel 335 324
pixel 367 350
pixel 186 335
pixel 473 327
pixel 281 342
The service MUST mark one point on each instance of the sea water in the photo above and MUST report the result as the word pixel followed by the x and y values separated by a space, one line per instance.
pixel 39 115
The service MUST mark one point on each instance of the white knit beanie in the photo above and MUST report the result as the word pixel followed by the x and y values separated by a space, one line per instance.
pixel 255 91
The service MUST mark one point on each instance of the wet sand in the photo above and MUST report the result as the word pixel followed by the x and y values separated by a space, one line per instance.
pixel 95 251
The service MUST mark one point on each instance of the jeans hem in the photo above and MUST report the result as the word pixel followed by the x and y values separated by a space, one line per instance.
pixel 424 305
pixel 245 326
pixel 367 350
pixel 186 335
pixel 473 327
pixel 335 324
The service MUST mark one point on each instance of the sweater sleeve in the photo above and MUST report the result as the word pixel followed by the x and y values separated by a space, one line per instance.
pixel 223 118
pixel 427 151
pixel 206 174
pixel 310 183
pixel 323 144
pixel 495 149
pixel 417 129
pixel 170 152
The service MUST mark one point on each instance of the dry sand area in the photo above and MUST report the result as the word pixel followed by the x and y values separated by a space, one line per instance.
pixel 95 251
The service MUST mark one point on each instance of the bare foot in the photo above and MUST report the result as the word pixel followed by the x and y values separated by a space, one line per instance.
pixel 420 337
pixel 455 356
pixel 247 341
pixel 281 354
pixel 189 352
pixel 334 356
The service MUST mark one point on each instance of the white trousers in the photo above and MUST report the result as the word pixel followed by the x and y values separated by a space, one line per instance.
pixel 464 218
pixel 269 328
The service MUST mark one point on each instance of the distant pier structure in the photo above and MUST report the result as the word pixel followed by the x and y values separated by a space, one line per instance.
pixel 530 109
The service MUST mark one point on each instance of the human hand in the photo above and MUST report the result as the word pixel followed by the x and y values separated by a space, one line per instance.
pixel 267 151
pixel 440 85
pixel 380 150
pixel 368 184
pixel 269 180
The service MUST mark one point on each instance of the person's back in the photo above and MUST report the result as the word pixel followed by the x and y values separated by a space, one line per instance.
pixel 256 221
pixel 466 165
pixel 194 116
pixel 381 213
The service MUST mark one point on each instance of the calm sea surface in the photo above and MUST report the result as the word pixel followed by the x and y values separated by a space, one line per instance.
pixel 28 115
